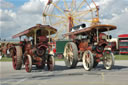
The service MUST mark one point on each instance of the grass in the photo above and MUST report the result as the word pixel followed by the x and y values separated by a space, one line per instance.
pixel 5 59
pixel 117 57
pixel 56 59
pixel 121 57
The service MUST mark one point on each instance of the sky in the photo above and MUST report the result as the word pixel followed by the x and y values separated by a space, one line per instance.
pixel 18 15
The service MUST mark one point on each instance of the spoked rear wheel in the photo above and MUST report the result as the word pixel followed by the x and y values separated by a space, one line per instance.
pixel 88 60
pixel 108 60
pixel 71 55
pixel 28 63
pixel 16 54
pixel 50 63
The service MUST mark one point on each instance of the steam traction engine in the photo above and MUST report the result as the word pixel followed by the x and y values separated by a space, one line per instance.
pixel 89 45
pixel 35 50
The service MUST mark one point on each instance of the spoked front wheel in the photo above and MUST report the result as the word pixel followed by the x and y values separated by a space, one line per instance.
pixel 88 60
pixel 108 60
pixel 50 63
pixel 28 63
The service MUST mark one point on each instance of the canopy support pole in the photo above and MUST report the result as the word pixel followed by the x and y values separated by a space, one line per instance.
pixel 49 35
pixel 35 37
pixel 97 31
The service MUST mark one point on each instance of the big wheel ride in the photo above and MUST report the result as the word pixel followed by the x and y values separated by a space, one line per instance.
pixel 65 14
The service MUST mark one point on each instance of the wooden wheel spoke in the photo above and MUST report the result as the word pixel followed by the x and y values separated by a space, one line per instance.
pixel 88 65
pixel 87 58
pixel 70 60
pixel 107 58
pixel 71 54
pixel 70 47
pixel 86 61
pixel 66 53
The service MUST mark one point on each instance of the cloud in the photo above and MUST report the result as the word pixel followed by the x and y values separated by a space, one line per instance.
pixel 113 12
pixel 109 7
pixel 120 21
pixel 7 15
pixel 33 7
pixel 7 23
pixel 26 16
pixel 4 4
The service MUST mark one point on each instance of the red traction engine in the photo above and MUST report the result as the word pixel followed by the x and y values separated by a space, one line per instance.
pixel 35 49
pixel 89 45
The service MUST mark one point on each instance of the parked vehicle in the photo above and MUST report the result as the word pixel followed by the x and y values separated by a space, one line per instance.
pixel 119 45
pixel 89 46
pixel 123 43
pixel 34 49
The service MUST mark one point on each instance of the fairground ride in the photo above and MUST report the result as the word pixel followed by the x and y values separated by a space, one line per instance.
pixel 65 14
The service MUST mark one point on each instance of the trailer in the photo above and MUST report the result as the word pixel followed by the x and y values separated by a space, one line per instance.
pixel 123 43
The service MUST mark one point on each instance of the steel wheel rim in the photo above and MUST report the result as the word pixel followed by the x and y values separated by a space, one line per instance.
pixel 108 61
pixel 51 63
pixel 27 64
pixel 87 60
